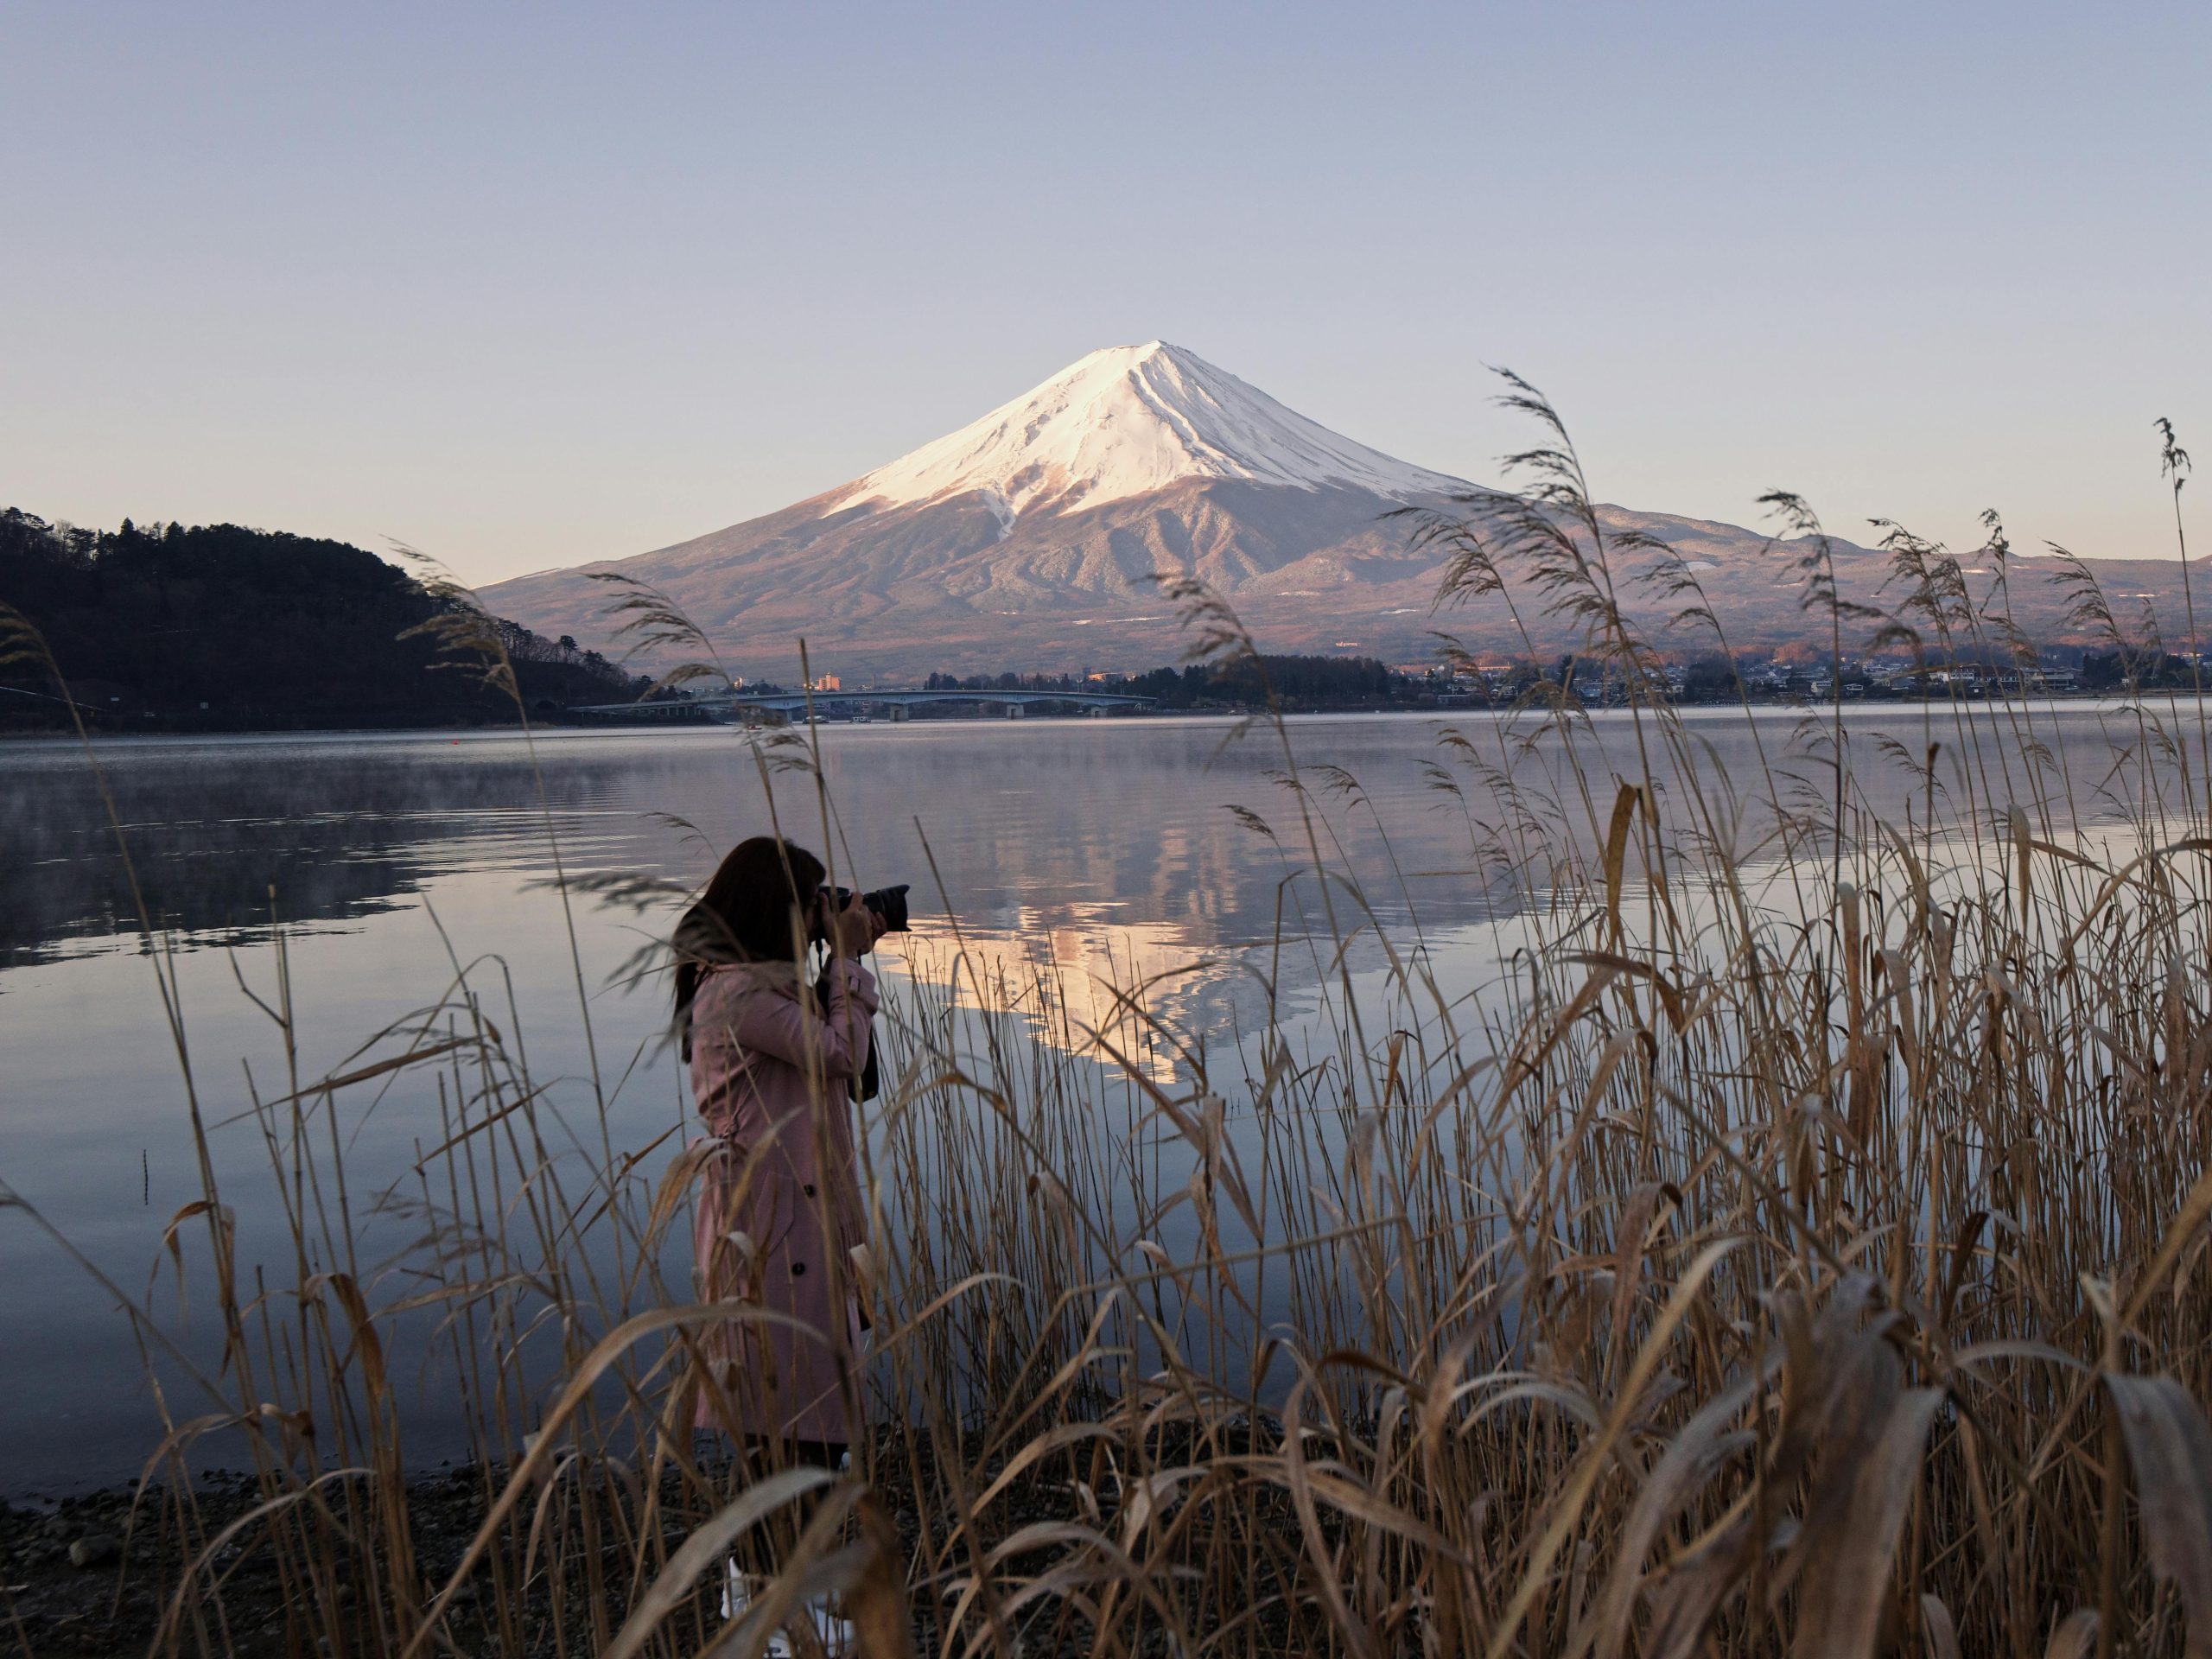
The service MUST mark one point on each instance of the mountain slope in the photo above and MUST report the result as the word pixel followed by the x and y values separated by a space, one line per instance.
pixel 1028 539
pixel 1128 421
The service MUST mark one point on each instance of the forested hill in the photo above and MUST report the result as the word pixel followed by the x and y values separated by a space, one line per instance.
pixel 220 627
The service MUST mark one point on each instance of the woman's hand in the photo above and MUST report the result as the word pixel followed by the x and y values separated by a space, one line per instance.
pixel 855 929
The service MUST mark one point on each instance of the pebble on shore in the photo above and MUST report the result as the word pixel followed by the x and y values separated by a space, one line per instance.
pixel 93 1549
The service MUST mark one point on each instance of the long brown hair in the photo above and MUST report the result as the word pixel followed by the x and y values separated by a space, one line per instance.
pixel 753 909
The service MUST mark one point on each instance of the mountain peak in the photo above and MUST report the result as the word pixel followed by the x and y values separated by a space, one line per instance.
pixel 1128 420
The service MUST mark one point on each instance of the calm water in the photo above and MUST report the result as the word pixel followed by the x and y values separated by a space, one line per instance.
pixel 385 860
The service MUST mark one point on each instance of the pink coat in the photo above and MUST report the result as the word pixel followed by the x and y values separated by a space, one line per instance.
pixel 780 1207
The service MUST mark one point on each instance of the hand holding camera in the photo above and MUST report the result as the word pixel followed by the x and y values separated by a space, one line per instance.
pixel 852 922
pixel 853 931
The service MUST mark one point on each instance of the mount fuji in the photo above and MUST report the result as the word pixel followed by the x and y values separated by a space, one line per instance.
pixel 1027 539
pixel 1131 421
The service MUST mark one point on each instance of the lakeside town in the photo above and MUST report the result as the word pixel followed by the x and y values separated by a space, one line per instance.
pixel 1325 685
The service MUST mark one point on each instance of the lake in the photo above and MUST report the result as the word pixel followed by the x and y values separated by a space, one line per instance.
pixel 381 864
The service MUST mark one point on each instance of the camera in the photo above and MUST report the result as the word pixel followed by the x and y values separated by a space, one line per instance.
pixel 889 903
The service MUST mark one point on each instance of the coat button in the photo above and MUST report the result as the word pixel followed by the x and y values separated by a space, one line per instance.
pixel 809 1191
pixel 797 1267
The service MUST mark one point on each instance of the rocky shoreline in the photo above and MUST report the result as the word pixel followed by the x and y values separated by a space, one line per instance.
pixel 95 1574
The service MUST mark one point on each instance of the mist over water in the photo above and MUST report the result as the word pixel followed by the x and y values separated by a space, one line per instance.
pixel 1106 849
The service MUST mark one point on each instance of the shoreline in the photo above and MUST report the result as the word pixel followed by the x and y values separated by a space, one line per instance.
pixel 83 1575
pixel 1763 709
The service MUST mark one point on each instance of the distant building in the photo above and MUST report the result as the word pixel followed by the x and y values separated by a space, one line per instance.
pixel 826 683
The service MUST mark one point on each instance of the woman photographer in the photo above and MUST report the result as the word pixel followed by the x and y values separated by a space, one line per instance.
pixel 774 1063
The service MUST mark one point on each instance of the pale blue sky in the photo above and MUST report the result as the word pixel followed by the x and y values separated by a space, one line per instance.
pixel 530 285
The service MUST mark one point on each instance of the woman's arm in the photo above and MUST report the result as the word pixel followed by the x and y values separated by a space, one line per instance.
pixel 787 1029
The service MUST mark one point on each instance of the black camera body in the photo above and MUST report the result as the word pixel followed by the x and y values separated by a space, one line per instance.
pixel 889 903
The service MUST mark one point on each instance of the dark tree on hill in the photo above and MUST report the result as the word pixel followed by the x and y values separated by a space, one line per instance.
pixel 1710 679
pixel 217 626
pixel 2138 666
pixel 1298 682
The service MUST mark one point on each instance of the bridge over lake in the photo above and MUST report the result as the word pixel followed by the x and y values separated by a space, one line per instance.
pixel 898 704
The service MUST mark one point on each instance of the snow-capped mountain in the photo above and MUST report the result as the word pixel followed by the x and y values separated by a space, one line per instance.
pixel 1128 421
pixel 1028 540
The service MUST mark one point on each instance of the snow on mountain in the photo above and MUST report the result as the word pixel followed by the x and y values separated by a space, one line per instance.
pixel 1128 421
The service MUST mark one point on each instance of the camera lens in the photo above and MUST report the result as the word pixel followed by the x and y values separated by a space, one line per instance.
pixel 889 903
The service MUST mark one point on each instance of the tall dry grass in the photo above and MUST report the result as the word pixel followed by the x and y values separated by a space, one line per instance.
pixel 1798 1248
